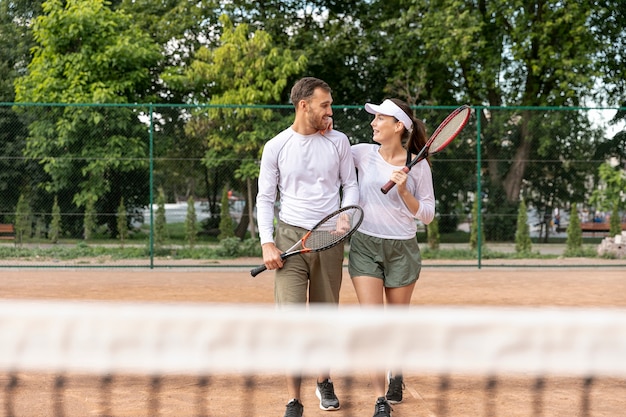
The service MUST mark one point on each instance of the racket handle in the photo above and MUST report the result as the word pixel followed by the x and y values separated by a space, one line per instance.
pixel 256 271
pixel 389 185
pixel 385 188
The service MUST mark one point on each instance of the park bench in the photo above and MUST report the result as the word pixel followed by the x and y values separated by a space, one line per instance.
pixel 597 227
pixel 7 232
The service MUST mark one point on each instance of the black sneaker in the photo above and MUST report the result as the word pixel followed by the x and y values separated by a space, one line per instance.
pixel 382 408
pixel 394 391
pixel 325 391
pixel 294 408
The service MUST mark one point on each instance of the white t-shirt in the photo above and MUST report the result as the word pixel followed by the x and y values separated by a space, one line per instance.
pixel 308 172
pixel 385 215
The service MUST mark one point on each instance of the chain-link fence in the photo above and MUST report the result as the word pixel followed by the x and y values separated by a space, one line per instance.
pixel 116 181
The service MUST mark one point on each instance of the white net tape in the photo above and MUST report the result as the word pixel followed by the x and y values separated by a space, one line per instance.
pixel 150 338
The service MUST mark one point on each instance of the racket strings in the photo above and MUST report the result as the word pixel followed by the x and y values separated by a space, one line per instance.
pixel 449 130
pixel 333 230
pixel 322 238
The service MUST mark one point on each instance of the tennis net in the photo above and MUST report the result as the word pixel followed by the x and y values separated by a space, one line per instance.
pixel 152 359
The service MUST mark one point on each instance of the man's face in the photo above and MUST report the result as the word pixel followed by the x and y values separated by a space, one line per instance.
pixel 318 110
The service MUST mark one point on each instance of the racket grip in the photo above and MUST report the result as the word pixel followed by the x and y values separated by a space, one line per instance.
pixel 256 271
pixel 385 188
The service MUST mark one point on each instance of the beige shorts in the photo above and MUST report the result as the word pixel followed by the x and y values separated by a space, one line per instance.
pixel 314 277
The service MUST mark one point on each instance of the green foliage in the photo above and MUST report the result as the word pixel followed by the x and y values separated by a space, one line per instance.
pixel 54 232
pixel 522 233
pixel 227 226
pixel 122 223
pixel 40 228
pixel 474 233
pixel 610 193
pixel 160 231
pixel 499 222
pixel 615 222
pixel 432 231
pixel 246 67
pixel 574 242
pixel 87 53
pixel 191 223
pixel 89 222
pixel 469 50
pixel 23 226
pixel 232 247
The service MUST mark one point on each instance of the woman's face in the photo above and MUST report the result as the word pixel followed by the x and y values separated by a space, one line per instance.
pixel 385 128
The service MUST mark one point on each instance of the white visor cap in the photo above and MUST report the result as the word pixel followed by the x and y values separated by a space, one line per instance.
pixel 389 108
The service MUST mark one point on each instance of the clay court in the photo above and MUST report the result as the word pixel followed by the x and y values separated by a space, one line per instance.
pixel 562 285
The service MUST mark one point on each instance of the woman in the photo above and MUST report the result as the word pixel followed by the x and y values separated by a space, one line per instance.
pixel 384 254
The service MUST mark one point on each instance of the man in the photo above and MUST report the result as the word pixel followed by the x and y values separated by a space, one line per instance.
pixel 310 167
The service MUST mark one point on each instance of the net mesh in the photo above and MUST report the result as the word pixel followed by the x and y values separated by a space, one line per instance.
pixel 130 359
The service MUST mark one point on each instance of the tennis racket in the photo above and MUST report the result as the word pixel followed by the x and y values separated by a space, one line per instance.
pixel 445 133
pixel 328 232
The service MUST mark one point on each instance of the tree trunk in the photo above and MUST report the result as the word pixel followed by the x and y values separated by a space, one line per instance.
pixel 513 181
pixel 251 209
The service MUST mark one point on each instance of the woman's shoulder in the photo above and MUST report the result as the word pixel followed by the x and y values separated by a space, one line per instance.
pixel 364 147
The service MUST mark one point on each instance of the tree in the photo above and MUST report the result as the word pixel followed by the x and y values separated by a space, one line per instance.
pixel 474 230
pixel 246 68
pixel 609 195
pixel 54 232
pixel 615 222
pixel 89 221
pixel 191 222
pixel 87 53
pixel 432 231
pixel 17 174
pixel 23 224
pixel 227 229
pixel 160 221
pixel 574 241
pixel 522 233
pixel 509 53
pixel 122 223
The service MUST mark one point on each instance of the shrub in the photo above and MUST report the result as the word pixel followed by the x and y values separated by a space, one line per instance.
pixel 227 227
pixel 474 229
pixel 122 222
pixel 160 221
pixel 522 233
pixel 432 231
pixel 574 242
pixel 190 222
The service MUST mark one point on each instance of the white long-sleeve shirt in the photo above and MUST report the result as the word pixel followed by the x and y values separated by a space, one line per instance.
pixel 385 215
pixel 308 172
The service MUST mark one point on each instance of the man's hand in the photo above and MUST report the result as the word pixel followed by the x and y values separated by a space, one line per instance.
pixel 271 256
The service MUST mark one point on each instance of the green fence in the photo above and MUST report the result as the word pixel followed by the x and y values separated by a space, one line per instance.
pixel 79 181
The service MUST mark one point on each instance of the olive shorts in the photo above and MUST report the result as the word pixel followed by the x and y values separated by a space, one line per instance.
pixel 397 262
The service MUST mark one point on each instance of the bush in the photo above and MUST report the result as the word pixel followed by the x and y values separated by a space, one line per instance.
pixel 574 242
pixel 190 222
pixel 227 227
pixel 160 230
pixel 229 247
pixel 522 233
pixel 474 233
pixel 432 231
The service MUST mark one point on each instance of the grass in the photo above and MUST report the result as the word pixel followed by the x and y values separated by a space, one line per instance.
pixel 208 247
